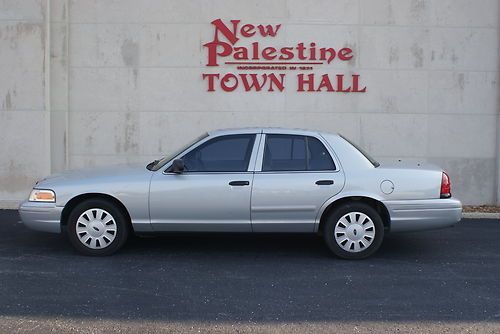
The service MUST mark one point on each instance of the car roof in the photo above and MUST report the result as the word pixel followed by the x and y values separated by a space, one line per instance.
pixel 265 130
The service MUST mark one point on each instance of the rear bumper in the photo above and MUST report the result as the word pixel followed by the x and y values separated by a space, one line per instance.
pixel 44 217
pixel 419 215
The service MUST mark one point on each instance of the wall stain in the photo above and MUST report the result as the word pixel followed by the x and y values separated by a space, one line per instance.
pixel 447 53
pixel 43 11
pixel 461 85
pixel 65 145
pixel 362 133
pixel 494 83
pixel 7 105
pixel 12 33
pixel 393 54
pixel 417 8
pixel 418 54
pixel 64 56
pixel 160 147
pixel 89 141
pixel 126 141
pixel 63 17
pixel 390 104
pixel 461 81
pixel 390 14
pixel 130 53
pixel 135 73
pixel 130 129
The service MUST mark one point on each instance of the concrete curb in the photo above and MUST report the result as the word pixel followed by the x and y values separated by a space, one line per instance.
pixel 481 215
pixel 9 204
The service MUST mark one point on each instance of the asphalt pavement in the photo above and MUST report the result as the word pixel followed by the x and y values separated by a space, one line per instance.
pixel 434 281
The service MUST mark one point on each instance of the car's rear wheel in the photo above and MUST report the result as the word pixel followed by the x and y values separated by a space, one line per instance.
pixel 354 231
pixel 97 227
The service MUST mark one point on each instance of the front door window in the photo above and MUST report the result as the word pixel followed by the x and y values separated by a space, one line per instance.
pixel 222 154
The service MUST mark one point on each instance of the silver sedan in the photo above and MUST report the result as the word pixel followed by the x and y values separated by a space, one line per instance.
pixel 247 180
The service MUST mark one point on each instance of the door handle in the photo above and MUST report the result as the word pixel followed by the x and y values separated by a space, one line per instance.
pixel 239 183
pixel 324 182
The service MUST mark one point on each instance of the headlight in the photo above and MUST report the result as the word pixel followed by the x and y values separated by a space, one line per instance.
pixel 42 195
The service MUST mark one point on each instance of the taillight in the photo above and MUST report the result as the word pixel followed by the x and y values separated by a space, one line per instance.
pixel 445 186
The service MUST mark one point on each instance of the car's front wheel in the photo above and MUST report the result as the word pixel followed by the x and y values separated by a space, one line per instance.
pixel 97 227
pixel 354 231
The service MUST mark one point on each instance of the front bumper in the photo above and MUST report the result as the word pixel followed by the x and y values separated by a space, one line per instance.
pixel 419 215
pixel 44 217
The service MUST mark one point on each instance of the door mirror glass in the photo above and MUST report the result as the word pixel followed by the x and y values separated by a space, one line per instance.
pixel 177 166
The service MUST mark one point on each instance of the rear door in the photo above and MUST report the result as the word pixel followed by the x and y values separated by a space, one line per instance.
pixel 296 175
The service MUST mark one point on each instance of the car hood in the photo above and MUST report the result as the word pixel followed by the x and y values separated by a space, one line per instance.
pixel 93 174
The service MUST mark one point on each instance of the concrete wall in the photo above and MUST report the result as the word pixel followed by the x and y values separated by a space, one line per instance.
pixel 87 83
pixel 25 145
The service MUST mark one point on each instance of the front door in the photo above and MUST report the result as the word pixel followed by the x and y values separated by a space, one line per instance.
pixel 212 194
pixel 297 176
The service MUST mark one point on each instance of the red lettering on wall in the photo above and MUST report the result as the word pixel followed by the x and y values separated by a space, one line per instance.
pixel 268 30
pixel 211 78
pixel 225 48
pixel 248 30
pixel 253 81
pixel 230 35
pixel 226 84
pixel 340 84
pixel 355 85
pixel 345 54
pixel 303 82
pixel 326 85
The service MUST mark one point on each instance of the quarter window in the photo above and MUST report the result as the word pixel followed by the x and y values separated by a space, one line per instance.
pixel 221 154
pixel 295 153
pixel 319 158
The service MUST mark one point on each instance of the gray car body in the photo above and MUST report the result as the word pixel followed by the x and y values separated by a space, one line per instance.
pixel 160 201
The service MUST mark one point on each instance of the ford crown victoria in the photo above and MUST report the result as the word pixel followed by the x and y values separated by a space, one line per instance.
pixel 247 180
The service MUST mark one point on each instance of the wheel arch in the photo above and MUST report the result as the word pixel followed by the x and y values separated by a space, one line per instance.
pixel 374 203
pixel 72 203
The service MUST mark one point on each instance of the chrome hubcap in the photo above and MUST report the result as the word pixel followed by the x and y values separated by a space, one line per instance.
pixel 354 232
pixel 96 228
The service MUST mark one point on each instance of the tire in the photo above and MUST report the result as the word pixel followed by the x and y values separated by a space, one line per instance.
pixel 354 231
pixel 97 227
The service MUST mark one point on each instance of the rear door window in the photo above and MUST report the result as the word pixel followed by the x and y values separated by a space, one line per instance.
pixel 295 153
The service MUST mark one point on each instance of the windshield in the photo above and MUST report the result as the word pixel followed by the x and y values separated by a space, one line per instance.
pixel 157 164
pixel 374 162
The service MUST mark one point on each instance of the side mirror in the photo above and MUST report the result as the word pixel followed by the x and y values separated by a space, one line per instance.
pixel 177 166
